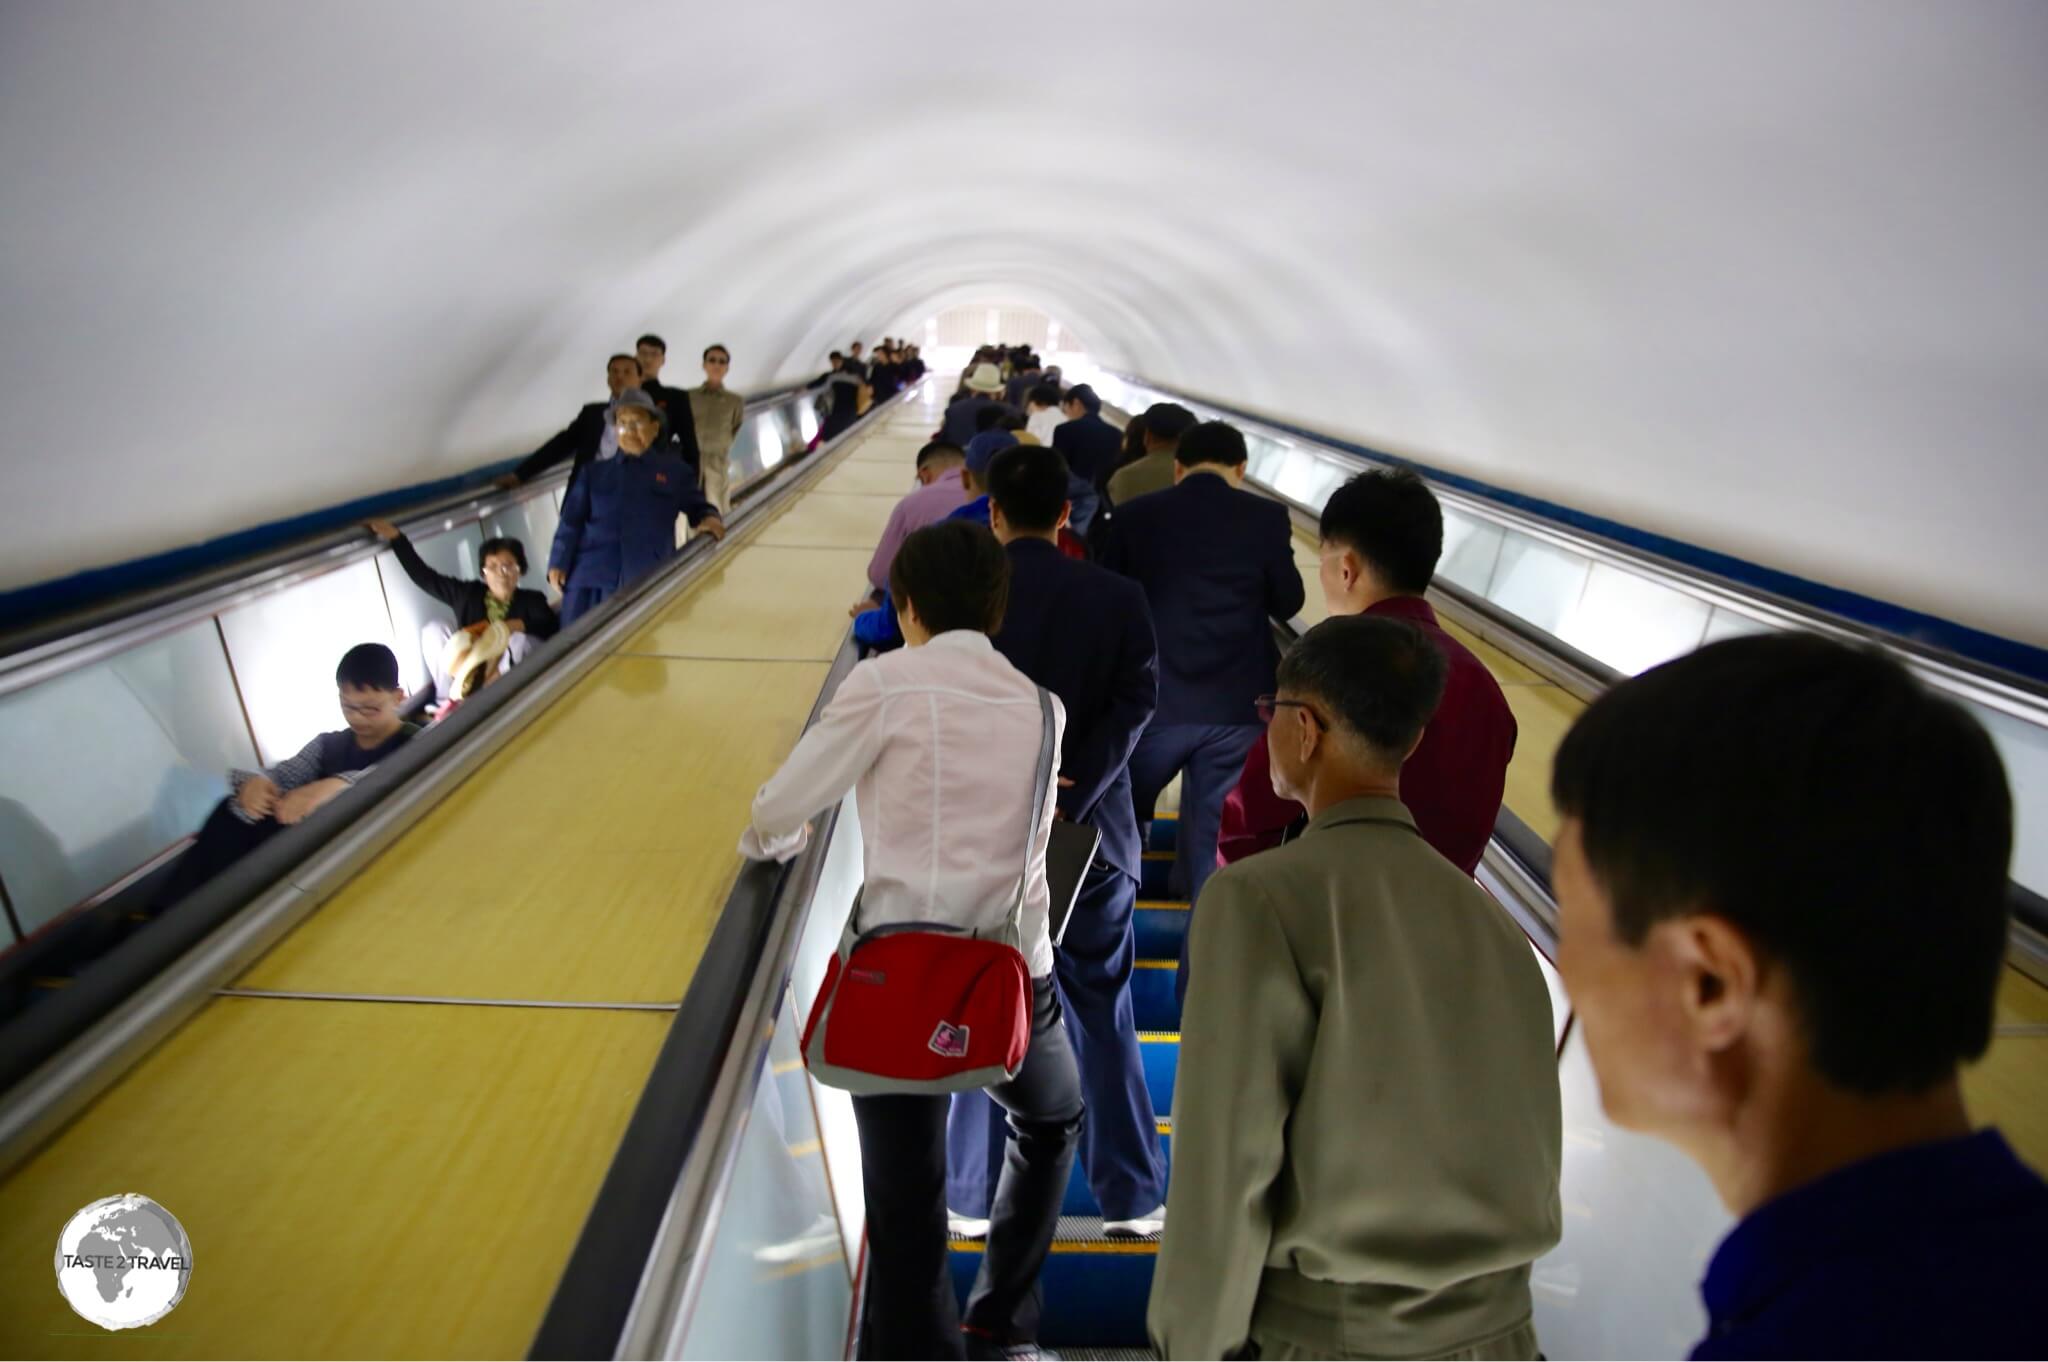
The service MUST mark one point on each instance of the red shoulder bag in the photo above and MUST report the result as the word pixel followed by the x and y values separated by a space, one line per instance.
pixel 926 1007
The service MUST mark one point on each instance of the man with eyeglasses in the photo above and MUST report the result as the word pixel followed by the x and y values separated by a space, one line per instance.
pixel 718 413
pixel 264 803
pixel 498 598
pixel 1367 1130
pixel 678 431
pixel 619 516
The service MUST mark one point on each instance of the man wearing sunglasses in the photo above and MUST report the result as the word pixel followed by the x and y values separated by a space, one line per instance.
pixel 718 413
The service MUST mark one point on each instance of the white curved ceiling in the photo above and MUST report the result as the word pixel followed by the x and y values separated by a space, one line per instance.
pixel 1767 277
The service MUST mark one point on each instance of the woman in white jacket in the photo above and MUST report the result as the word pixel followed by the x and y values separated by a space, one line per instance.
pixel 940 743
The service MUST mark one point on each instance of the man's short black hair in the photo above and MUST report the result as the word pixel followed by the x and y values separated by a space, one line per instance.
pixel 368 666
pixel 503 545
pixel 633 360
pixel 1390 518
pixel 1857 827
pixel 1085 395
pixel 1044 394
pixel 651 339
pixel 1168 421
pixel 1029 485
pixel 1216 442
pixel 939 451
pixel 1378 677
pixel 988 416
pixel 955 575
pixel 720 349
pixel 1009 418
pixel 836 355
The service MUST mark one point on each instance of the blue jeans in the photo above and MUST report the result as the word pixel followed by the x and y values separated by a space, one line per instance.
pixel 1208 758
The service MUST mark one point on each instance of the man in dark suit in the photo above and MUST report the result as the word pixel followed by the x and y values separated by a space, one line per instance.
pixel 1089 443
pixel 1083 634
pixel 679 427
pixel 592 435
pixel 1217 565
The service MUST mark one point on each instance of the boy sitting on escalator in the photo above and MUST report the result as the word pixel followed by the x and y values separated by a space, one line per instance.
pixel 263 803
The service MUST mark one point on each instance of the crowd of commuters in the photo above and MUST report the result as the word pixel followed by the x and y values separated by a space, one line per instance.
pixel 1781 872
pixel 643 462
pixel 1779 961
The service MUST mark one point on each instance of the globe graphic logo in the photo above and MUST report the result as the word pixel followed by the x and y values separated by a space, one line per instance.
pixel 123 1262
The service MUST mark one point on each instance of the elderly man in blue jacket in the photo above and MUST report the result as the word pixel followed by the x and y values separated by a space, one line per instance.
pixel 619 516
pixel 1084 634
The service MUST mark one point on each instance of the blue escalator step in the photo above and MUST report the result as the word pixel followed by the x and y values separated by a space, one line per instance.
pixel 1159 926
pixel 1155 875
pixel 1160 1051
pixel 1165 833
pixel 1152 993
pixel 1096 1289
pixel 1081 1199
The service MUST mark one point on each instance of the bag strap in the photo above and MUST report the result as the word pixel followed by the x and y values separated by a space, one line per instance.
pixel 1039 784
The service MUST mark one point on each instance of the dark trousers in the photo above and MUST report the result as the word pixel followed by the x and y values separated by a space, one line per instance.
pixel 1120 1137
pixel 1209 758
pixel 910 1309
pixel 581 600
pixel 223 840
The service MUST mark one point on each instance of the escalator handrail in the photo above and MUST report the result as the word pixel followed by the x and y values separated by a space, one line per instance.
pixel 2015 692
pixel 53 1054
pixel 63 642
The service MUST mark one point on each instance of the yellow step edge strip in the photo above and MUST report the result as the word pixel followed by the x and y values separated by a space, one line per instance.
pixel 1140 1247
pixel 1159 1038
pixel 1165 905
pixel 1157 964
pixel 1157 856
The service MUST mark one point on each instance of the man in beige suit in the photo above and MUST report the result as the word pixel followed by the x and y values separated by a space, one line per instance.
pixel 1366 1133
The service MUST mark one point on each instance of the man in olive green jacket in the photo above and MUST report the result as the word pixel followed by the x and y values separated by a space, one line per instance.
pixel 1367 1132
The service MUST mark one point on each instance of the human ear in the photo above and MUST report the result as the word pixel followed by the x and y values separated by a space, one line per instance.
pixel 1718 975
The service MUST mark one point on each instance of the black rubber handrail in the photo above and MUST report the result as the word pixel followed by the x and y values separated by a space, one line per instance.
pixel 125 604
pixel 39 1033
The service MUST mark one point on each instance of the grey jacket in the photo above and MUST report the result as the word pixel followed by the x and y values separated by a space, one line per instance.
pixel 1366 1129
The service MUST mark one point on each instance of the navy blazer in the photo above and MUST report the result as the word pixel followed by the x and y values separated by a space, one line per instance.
pixel 576 442
pixel 619 518
pixel 1084 635
pixel 1217 565
pixel 1091 446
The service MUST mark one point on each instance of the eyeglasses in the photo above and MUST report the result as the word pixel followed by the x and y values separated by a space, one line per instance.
pixel 716 360
pixel 1269 705
pixel 361 711
pixel 503 569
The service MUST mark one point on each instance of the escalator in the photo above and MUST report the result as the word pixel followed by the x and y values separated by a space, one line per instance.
pixel 382 1075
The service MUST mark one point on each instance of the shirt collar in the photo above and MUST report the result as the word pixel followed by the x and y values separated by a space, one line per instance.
pixel 1889 1199
pixel 962 640
pixel 1405 608
pixel 1366 809
pixel 1032 544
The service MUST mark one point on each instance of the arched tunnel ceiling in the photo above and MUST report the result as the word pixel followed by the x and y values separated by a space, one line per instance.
pixel 1765 277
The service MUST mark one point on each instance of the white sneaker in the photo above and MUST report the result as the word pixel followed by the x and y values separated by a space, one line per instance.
pixel 820 1237
pixel 965 1226
pixel 1138 1227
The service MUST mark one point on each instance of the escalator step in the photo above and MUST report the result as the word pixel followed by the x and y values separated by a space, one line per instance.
pixel 1096 1288
pixel 1152 994
pixel 1160 1051
pixel 1159 928
pixel 1165 833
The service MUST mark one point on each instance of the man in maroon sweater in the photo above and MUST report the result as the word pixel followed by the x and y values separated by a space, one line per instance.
pixel 1382 535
